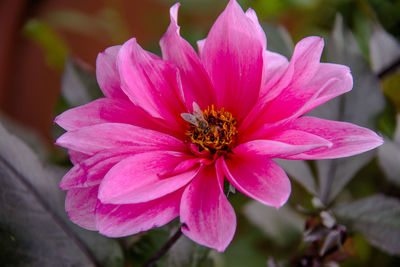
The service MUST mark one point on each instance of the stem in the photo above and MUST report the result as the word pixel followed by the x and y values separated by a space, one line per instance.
pixel 164 249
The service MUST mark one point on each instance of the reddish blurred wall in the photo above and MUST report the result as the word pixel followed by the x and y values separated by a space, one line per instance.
pixel 29 88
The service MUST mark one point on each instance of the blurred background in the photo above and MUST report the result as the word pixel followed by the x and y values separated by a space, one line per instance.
pixel 38 37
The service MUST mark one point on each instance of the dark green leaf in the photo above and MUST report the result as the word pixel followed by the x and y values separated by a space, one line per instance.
pixel 33 224
pixel 377 218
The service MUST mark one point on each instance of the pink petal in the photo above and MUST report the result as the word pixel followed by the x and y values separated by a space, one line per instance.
pixel 274 67
pixel 196 84
pixel 77 157
pixel 331 80
pixel 334 78
pixel 284 144
pixel 123 220
pixel 233 57
pixel 286 82
pixel 107 74
pixel 284 87
pixel 139 178
pixel 208 217
pixel 303 64
pixel 302 68
pixel 257 177
pixel 91 171
pixel 80 205
pixel 93 139
pixel 251 14
pixel 104 110
pixel 150 83
pixel 347 139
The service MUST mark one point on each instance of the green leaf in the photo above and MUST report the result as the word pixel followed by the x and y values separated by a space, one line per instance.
pixel 34 226
pixel 79 85
pixel 54 47
pixel 377 218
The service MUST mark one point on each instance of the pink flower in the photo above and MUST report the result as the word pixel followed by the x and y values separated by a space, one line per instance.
pixel 171 129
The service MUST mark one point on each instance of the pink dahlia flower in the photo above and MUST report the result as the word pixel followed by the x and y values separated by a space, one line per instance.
pixel 171 129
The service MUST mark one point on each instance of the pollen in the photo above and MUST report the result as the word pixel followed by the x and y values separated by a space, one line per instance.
pixel 216 133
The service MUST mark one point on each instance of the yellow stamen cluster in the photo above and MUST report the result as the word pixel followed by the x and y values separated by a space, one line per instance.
pixel 216 133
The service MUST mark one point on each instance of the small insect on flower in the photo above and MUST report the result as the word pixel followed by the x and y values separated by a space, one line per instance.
pixel 202 118
pixel 197 119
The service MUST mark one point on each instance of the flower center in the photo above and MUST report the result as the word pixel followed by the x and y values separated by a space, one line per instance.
pixel 212 130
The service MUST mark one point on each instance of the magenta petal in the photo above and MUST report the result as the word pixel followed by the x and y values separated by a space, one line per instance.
pixel 103 110
pixel 304 63
pixel 139 178
pixel 107 74
pixel 93 139
pixel 335 80
pixel 80 205
pixel 285 94
pixel 347 139
pixel 91 171
pixel 257 177
pixel 150 82
pixel 294 102
pixel 274 67
pixel 251 14
pixel 196 84
pixel 123 220
pixel 233 58
pixel 207 215
pixel 77 157
pixel 283 144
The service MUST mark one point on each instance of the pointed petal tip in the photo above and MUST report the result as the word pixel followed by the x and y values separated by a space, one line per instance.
pixel 315 43
pixel 173 12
